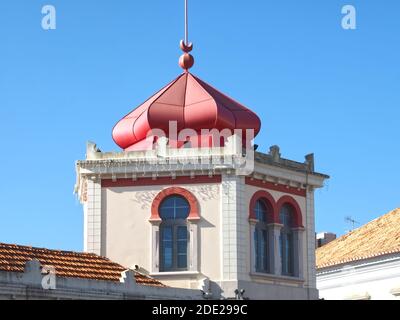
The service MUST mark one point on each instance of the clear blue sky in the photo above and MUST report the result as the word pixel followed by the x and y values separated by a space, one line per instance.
pixel 316 87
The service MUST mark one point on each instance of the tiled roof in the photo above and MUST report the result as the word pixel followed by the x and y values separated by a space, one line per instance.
pixel 67 264
pixel 378 237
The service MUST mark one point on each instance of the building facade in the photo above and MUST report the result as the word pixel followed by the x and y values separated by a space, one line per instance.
pixel 364 264
pixel 231 231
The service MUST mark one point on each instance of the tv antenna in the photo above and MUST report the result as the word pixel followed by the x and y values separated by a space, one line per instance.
pixel 351 221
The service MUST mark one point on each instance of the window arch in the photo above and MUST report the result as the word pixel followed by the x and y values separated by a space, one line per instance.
pixel 261 213
pixel 269 202
pixel 286 239
pixel 194 213
pixel 174 235
pixel 296 211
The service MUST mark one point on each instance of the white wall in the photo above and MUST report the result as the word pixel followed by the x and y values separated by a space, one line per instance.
pixel 374 279
pixel 127 239
pixel 126 236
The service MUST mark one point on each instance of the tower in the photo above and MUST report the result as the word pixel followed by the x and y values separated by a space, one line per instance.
pixel 191 203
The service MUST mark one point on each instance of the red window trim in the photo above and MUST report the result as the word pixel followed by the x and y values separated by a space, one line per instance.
pixel 276 206
pixel 298 221
pixel 269 201
pixel 194 204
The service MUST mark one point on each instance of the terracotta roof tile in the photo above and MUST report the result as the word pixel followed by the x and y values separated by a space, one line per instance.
pixel 378 237
pixel 67 264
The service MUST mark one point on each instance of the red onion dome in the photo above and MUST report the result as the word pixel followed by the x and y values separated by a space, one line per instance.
pixel 189 101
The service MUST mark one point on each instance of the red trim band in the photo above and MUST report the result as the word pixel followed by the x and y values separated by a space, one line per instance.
pixel 109 183
pixel 275 187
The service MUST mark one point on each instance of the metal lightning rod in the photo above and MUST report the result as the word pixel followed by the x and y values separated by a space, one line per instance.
pixel 186 23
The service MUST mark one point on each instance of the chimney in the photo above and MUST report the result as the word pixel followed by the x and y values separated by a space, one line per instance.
pixel 324 238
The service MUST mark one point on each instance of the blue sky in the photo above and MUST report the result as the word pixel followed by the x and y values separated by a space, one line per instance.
pixel 317 88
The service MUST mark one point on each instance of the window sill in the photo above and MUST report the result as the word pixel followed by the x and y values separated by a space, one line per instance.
pixel 174 274
pixel 270 276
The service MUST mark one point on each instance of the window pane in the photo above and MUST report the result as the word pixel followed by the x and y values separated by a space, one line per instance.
pixel 182 240
pixel 168 257
pixel 167 248
pixel 167 233
pixel 182 261
pixel 261 211
pixel 168 202
pixel 287 253
pixel 167 213
pixel 290 254
pixel 181 213
pixel 181 202
pixel 182 236
pixel 257 249
pixel 174 207
pixel 282 249
pixel 265 251
pixel 285 216
pixel 182 247
pixel 182 233
pixel 261 247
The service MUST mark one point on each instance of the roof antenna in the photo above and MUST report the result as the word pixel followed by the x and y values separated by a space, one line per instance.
pixel 186 61
pixel 351 221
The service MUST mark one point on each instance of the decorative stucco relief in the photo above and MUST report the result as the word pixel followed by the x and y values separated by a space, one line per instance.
pixel 144 198
pixel 203 192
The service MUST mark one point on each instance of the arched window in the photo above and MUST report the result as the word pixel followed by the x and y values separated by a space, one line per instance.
pixel 286 217
pixel 261 236
pixel 174 235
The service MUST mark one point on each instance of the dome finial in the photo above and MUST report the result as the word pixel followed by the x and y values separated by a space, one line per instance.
pixel 186 61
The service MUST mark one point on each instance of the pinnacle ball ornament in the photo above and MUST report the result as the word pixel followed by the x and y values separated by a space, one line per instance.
pixel 186 61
